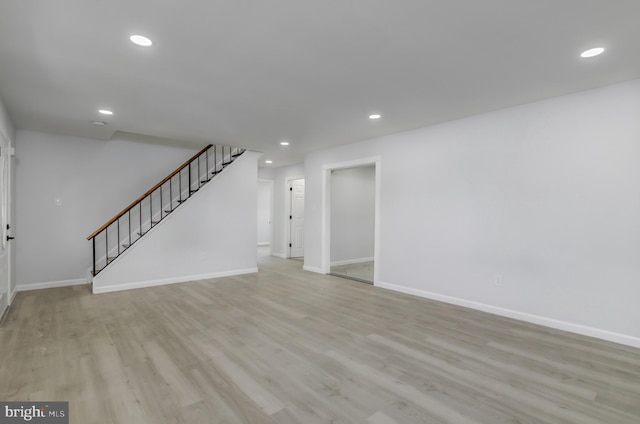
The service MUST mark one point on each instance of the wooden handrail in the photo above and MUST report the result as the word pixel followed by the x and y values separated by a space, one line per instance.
pixel 151 190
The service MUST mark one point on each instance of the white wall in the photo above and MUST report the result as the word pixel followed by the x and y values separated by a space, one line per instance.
pixel 6 126
pixel 281 176
pixel 352 214
pixel 94 180
pixel 544 195
pixel 212 234
pixel 265 174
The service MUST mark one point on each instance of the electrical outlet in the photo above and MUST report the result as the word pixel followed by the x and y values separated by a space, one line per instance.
pixel 498 280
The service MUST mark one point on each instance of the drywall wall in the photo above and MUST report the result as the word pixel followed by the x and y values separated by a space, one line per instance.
pixel 6 126
pixel 212 234
pixel 352 214
pixel 530 212
pixel 265 173
pixel 281 178
pixel 93 180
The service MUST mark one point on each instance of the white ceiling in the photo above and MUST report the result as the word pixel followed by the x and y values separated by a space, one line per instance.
pixel 251 73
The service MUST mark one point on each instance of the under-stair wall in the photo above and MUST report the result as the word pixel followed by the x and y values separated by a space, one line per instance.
pixel 214 234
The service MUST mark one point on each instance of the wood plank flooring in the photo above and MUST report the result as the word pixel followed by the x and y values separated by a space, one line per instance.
pixel 287 346
pixel 361 271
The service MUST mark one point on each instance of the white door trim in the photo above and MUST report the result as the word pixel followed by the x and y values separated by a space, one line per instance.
pixel 6 295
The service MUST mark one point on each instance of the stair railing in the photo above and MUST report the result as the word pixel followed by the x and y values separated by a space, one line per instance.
pixel 127 227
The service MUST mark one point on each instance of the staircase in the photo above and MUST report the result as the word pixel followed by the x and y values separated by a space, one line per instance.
pixel 123 230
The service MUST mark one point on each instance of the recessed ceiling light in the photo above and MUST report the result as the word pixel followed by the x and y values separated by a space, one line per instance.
pixel 141 40
pixel 105 112
pixel 592 52
pixel 284 143
pixel 268 161
pixel 375 116
pixel 99 123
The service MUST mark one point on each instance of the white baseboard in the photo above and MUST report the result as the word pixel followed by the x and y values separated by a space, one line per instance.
pixel 263 243
pixel 521 316
pixel 312 269
pixel 52 284
pixel 279 255
pixel 9 298
pixel 352 261
pixel 4 308
pixel 184 279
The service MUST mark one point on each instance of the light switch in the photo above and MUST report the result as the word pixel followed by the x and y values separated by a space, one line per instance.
pixel 57 202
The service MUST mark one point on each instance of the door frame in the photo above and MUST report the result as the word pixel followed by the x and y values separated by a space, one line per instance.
pixel 8 154
pixel 326 211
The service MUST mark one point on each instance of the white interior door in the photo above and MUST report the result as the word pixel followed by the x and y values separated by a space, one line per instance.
pixel 296 218
pixel 5 163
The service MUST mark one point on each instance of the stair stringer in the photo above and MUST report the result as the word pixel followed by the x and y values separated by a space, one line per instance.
pixel 213 234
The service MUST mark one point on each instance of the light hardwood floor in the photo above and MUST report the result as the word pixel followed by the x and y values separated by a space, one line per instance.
pixel 362 271
pixel 286 346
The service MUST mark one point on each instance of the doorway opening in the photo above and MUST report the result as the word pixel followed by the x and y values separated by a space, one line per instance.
pixel 265 214
pixel 351 204
pixel 353 223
